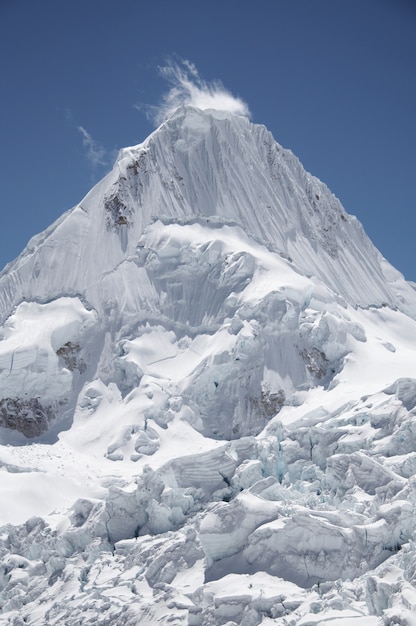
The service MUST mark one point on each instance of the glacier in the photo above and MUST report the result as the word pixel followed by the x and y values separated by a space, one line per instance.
pixel 207 399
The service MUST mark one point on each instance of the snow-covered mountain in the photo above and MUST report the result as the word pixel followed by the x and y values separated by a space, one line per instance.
pixel 207 399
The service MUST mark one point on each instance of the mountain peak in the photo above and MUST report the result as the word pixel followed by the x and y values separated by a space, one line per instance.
pixel 209 165
pixel 208 348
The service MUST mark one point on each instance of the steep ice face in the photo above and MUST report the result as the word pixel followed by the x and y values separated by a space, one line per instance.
pixel 216 168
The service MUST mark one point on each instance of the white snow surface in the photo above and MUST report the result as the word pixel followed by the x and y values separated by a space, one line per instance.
pixel 207 399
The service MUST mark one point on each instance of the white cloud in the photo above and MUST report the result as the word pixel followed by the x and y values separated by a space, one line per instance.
pixel 187 87
pixel 96 154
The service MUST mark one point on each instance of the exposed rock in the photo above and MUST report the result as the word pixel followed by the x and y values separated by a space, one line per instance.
pixel 28 417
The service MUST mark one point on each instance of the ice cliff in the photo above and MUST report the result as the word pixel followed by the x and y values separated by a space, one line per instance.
pixel 207 397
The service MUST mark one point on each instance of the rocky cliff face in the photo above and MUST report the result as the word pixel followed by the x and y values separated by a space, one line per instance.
pixel 206 398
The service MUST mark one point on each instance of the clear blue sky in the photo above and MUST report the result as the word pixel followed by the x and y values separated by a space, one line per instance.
pixel 334 80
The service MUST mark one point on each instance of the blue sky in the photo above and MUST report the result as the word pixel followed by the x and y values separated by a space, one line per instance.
pixel 334 80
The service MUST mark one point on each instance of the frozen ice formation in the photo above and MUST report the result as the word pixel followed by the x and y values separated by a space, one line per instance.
pixel 207 399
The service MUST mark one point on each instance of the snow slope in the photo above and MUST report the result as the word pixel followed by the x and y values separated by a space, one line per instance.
pixel 207 399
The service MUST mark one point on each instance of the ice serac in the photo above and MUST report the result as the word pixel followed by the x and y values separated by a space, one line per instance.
pixel 207 399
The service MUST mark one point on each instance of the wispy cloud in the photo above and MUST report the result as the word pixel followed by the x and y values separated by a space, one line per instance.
pixel 98 157
pixel 188 87
pixel 96 154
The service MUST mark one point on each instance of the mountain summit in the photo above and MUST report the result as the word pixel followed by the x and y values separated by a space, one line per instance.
pixel 206 398
pixel 221 169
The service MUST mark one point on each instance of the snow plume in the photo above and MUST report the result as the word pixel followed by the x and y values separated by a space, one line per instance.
pixel 187 87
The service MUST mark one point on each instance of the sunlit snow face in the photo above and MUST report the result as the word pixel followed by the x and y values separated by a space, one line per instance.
pixel 187 87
